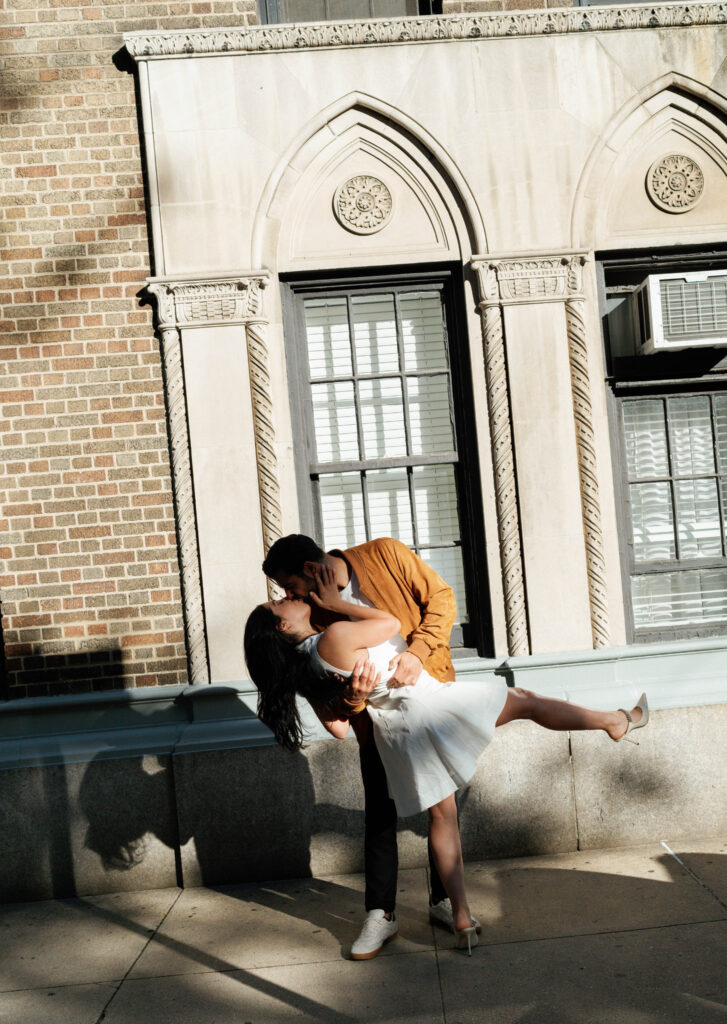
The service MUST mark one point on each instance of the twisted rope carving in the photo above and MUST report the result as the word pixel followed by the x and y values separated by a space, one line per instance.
pixel 262 411
pixel 193 601
pixel 585 440
pixel 508 518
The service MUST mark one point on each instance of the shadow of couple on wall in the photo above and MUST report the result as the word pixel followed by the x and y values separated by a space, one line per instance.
pixel 226 815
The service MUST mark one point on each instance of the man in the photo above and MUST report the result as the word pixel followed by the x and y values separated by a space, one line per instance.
pixel 385 574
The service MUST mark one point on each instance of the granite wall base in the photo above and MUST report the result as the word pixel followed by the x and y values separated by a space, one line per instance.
pixel 252 813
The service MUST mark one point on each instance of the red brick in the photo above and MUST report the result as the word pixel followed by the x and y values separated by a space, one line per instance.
pixel 36 171
pixel 127 218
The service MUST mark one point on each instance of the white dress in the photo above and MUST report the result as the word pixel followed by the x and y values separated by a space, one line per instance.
pixel 429 735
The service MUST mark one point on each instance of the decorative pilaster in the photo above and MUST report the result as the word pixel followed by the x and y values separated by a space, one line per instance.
pixel 209 303
pixel 183 483
pixel 503 454
pixel 262 411
pixel 555 278
pixel 585 440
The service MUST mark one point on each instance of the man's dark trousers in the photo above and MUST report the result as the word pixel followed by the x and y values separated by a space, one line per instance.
pixel 381 858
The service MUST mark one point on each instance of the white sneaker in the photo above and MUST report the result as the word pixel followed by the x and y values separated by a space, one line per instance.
pixel 441 913
pixel 376 932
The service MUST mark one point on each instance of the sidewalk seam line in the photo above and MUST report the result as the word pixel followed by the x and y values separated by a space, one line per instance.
pixel 608 931
pixel 439 974
pixel 116 991
pixel 696 878
pixel 574 795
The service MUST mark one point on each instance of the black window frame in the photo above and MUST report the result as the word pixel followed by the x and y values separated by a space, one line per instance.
pixel 476 636
pixel 695 371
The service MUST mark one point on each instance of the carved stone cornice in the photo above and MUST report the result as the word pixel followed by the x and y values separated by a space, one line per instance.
pixel 442 28
pixel 516 279
pixel 208 303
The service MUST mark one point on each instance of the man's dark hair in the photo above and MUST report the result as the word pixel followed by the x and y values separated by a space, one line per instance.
pixel 289 554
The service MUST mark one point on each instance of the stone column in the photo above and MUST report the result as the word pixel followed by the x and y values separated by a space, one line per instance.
pixel 583 413
pixel 219 302
pixel 508 516
pixel 534 281
pixel 262 411
pixel 183 485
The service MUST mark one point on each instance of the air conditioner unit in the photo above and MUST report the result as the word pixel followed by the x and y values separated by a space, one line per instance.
pixel 670 312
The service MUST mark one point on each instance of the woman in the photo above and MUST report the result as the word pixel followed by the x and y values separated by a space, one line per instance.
pixel 429 735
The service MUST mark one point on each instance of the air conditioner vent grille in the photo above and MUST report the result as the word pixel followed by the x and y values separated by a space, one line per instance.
pixel 694 308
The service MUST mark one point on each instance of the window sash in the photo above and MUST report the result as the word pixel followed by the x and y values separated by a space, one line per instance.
pixel 349 486
pixel 681 593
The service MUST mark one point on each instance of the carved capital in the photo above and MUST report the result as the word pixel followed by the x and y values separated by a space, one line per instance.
pixel 206 303
pixel 514 279
pixel 487 282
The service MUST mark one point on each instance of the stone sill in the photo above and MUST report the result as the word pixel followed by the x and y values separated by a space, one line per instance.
pixel 431 29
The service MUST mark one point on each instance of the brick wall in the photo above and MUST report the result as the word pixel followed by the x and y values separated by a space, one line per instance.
pixel 90 587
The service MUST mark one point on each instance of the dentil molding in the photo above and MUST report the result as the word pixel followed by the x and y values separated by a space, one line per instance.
pixel 443 28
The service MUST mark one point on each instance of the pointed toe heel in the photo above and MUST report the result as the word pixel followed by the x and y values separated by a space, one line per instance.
pixel 643 706
pixel 466 938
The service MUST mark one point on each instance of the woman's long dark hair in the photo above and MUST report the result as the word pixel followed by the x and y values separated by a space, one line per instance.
pixel 280 671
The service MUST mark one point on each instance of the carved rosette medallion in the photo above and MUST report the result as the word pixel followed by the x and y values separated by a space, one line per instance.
pixel 675 183
pixel 362 204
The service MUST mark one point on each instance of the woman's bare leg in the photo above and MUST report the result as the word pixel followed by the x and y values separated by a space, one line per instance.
pixel 447 852
pixel 560 715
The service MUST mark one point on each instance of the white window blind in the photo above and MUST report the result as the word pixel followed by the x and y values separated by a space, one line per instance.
pixel 383 437
pixel 676 455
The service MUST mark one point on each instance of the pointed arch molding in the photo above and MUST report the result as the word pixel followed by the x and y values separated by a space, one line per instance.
pixel 204 302
pixel 673 102
pixel 397 132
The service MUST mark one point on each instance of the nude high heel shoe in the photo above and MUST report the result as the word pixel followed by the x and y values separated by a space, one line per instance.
pixel 466 937
pixel 643 706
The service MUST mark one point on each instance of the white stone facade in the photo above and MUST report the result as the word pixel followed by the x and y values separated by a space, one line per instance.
pixel 516 146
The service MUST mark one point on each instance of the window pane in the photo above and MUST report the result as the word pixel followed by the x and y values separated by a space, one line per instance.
pixel 448 563
pixel 720 430
pixel 334 419
pixel 690 429
pixel 341 10
pixel 389 504
pixel 382 417
pixel 645 432
pixel 302 10
pixel 435 501
pixel 679 598
pixel 422 328
pixel 698 518
pixel 430 416
pixel 374 333
pixel 342 509
pixel 653 522
pixel 326 325
pixel 345 9
pixel 395 8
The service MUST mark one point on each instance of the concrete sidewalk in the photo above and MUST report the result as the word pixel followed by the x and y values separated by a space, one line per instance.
pixel 634 935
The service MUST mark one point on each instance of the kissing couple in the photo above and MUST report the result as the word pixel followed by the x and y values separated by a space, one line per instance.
pixel 363 635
